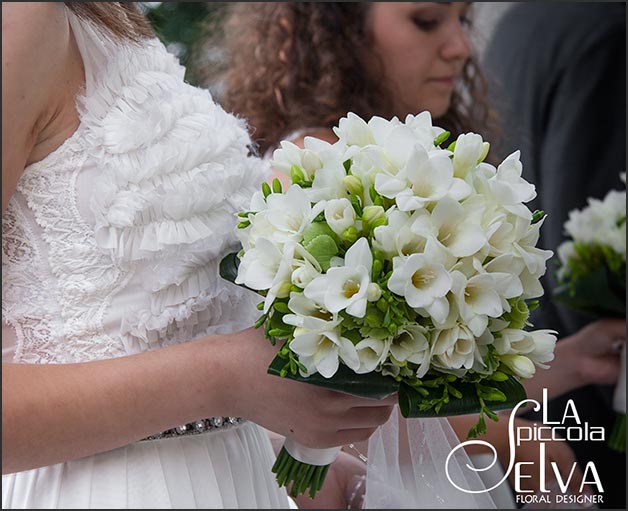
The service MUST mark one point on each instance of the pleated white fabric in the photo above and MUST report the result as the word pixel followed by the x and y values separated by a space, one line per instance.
pixel 215 470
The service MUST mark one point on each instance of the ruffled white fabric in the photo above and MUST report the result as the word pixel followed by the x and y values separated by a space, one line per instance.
pixel 130 216
pixel 111 246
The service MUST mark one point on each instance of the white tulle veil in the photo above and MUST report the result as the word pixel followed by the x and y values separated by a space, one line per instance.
pixel 406 468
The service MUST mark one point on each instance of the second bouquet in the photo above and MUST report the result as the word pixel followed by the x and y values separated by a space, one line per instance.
pixel 395 265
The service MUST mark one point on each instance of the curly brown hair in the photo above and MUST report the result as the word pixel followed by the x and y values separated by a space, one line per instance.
pixel 292 65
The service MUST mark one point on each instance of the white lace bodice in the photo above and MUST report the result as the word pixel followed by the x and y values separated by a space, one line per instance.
pixel 111 244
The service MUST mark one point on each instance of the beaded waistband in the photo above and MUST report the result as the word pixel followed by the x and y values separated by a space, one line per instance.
pixel 198 427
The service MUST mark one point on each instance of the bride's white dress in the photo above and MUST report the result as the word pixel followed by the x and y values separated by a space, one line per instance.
pixel 111 246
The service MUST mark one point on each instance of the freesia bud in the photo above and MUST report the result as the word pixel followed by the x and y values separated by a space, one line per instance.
pixel 373 292
pixel 522 366
pixel 353 184
pixel 350 235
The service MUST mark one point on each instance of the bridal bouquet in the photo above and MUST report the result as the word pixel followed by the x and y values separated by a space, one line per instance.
pixel 592 272
pixel 392 264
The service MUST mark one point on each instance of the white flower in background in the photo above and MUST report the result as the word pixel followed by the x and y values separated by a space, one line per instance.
pixel 322 351
pixel 470 149
pixel 454 226
pixel 411 345
pixel 454 348
pixel 371 353
pixel 345 287
pixel 565 251
pixel 340 215
pixel 423 281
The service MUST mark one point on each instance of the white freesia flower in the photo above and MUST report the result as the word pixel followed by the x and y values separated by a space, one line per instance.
pixel 353 130
pixel 425 178
pixel 534 258
pixel 285 217
pixel 340 215
pixel 345 287
pixel 477 300
pixel 411 345
pixel 322 351
pixel 309 315
pixel 544 343
pixel 469 150
pixel 290 154
pixel 509 189
pixel 454 348
pixel 396 237
pixel 454 226
pixel 423 129
pixel 371 353
pixel 421 280
pixel 265 267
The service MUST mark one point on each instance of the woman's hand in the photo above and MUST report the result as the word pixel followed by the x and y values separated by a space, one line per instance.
pixel 595 351
pixel 590 356
pixel 313 416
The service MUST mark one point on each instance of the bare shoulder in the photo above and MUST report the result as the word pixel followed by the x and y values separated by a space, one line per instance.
pixel 36 31
pixel 35 47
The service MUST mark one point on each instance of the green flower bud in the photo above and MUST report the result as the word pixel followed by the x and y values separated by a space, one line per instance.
pixel 297 175
pixel 442 138
pixel 498 376
pixel 266 189
pixel 537 215
pixel 277 186
pixel 284 290
pixel 373 215
pixel 378 266
pixel 350 234
pixel 353 184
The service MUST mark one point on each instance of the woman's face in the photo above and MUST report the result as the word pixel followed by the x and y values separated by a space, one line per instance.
pixel 423 47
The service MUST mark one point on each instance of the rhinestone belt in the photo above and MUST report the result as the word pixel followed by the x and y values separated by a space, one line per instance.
pixel 198 427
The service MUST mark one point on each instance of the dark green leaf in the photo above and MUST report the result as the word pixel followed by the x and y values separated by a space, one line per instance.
pixel 229 266
pixel 410 400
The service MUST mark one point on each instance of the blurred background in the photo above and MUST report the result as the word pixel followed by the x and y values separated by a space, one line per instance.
pixel 186 28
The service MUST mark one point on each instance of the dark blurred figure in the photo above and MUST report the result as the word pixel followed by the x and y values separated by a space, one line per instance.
pixel 558 77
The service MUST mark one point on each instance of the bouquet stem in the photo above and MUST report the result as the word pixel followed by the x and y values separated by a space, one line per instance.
pixel 303 476
pixel 617 440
